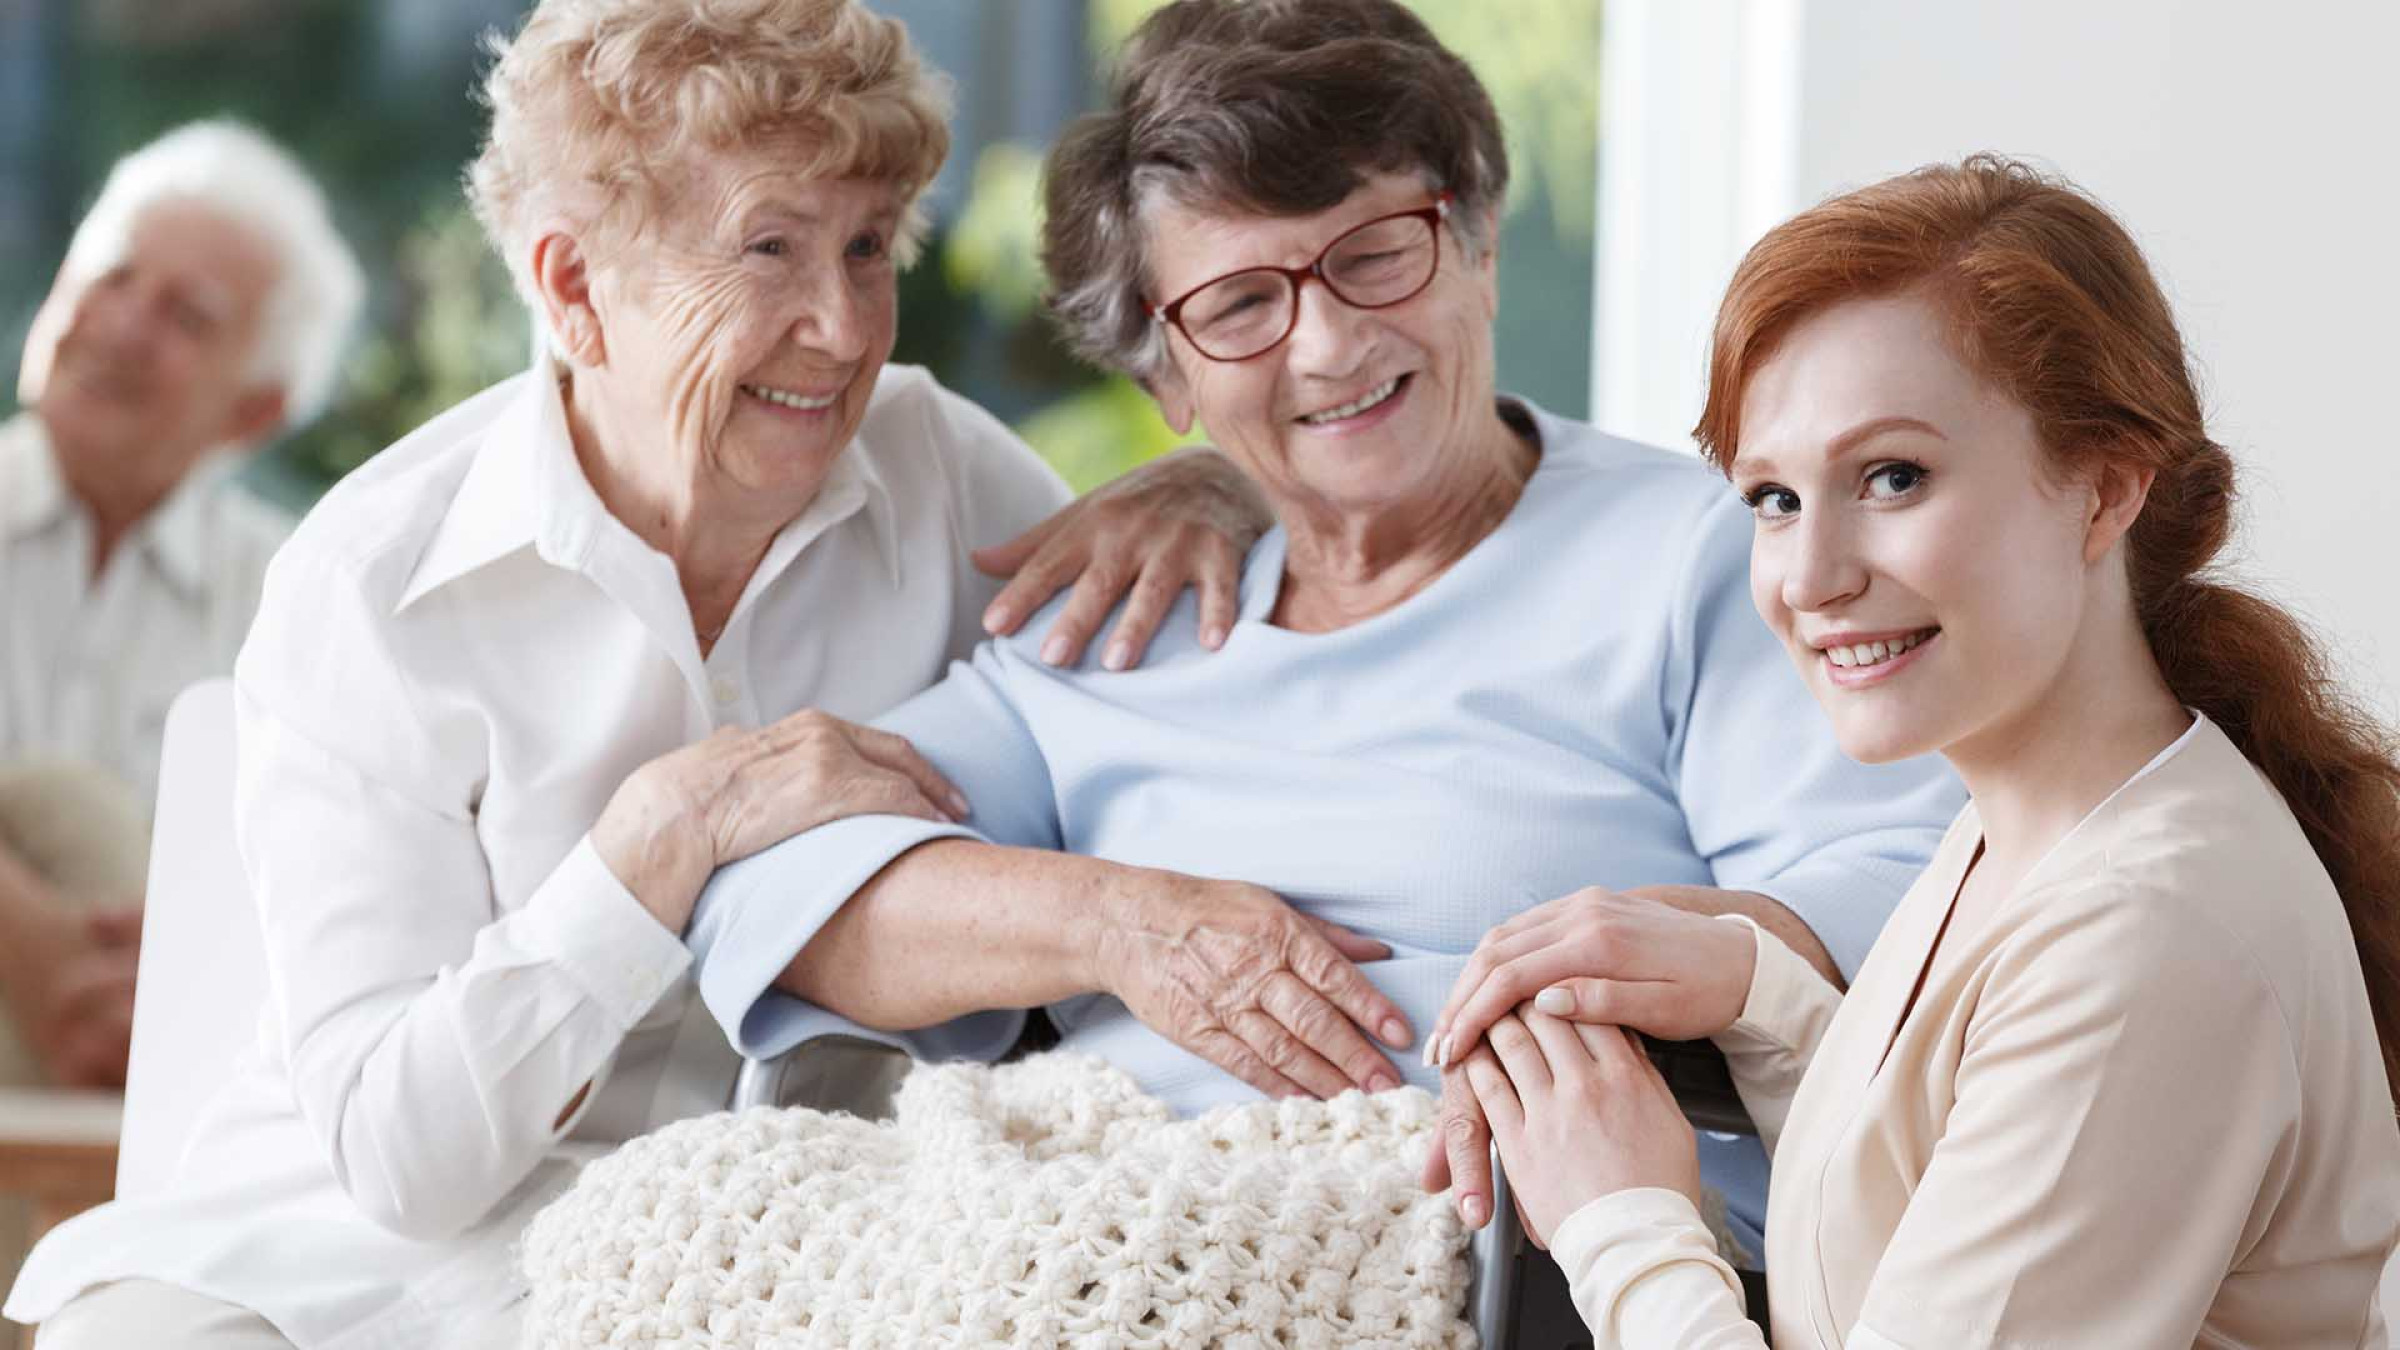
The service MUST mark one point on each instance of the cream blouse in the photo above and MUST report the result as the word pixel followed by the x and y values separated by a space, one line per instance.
pixel 2140 1102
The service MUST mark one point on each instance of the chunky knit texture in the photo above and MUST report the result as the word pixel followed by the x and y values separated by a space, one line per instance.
pixel 1043 1203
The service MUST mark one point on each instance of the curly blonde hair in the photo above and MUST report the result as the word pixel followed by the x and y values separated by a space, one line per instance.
pixel 594 103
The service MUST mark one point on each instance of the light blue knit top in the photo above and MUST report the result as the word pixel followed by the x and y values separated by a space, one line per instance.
pixel 1585 698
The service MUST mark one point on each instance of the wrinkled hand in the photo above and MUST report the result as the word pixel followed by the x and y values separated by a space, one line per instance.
pixel 70 992
pixel 1603 957
pixel 1231 973
pixel 1184 519
pixel 1579 1112
pixel 690 811
pixel 1461 1160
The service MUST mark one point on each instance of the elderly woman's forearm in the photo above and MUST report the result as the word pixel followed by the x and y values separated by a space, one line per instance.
pixel 958 926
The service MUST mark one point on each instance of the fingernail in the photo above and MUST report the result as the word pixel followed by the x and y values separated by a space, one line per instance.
pixel 1120 655
pixel 1395 1033
pixel 1441 1057
pixel 960 806
pixel 1425 1056
pixel 1555 1001
pixel 1054 651
pixel 995 619
pixel 1212 637
pixel 1381 1081
pixel 1472 1210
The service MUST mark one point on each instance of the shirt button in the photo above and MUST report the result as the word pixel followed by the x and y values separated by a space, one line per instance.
pixel 725 691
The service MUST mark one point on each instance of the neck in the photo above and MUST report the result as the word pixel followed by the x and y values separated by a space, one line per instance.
pixel 1343 567
pixel 714 539
pixel 117 489
pixel 2036 774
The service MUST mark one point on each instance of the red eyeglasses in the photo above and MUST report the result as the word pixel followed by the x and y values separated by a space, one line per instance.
pixel 1371 266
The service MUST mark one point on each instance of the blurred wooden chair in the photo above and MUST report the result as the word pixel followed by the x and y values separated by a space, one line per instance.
pixel 58 1151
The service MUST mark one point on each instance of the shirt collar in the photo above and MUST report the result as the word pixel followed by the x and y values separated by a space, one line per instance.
pixel 33 494
pixel 173 538
pixel 857 463
pixel 525 486
pixel 496 508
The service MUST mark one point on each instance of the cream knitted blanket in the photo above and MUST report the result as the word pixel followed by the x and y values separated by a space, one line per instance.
pixel 1043 1203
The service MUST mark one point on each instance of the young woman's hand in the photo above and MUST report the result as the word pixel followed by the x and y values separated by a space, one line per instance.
pixel 1579 1112
pixel 1603 957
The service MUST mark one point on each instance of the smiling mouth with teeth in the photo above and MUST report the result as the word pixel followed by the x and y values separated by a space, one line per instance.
pixel 1876 653
pixel 1363 403
pixel 784 399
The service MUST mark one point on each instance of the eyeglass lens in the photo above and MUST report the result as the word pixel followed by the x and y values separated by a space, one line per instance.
pixel 1380 263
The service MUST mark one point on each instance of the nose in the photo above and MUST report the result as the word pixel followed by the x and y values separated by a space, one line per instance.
pixel 832 321
pixel 1325 337
pixel 1821 567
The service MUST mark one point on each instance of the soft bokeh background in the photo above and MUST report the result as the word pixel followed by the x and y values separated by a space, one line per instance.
pixel 375 96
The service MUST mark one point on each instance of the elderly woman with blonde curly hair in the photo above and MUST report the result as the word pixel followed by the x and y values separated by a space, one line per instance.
pixel 519 686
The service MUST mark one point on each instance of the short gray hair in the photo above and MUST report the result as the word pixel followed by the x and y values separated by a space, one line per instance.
pixel 236 172
pixel 1277 107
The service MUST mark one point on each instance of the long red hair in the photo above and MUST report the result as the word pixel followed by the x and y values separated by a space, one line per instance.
pixel 2049 299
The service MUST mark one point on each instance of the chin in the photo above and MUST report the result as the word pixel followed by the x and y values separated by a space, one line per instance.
pixel 1872 739
pixel 82 418
pixel 1363 476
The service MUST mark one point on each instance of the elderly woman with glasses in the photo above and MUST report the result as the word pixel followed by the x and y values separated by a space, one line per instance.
pixel 1487 657
pixel 517 686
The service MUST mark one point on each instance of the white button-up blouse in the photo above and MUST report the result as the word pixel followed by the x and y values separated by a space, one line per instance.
pixel 458 658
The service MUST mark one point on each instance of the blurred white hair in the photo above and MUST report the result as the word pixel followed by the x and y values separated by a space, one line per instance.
pixel 231 169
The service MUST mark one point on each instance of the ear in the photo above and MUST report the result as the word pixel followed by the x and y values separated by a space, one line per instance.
pixel 562 276
pixel 1491 237
pixel 1487 267
pixel 2118 494
pixel 1173 395
pixel 254 417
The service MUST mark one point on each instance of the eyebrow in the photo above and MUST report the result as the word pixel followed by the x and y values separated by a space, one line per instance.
pixel 1849 441
pixel 781 210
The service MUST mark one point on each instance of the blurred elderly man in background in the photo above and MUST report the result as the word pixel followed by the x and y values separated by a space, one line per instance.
pixel 200 310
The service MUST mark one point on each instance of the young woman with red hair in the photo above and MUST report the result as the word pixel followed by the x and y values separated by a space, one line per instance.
pixel 2119 1071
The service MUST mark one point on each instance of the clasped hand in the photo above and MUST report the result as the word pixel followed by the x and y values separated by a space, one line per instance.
pixel 1536 1053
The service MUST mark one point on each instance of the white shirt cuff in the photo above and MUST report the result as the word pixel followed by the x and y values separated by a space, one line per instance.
pixel 586 920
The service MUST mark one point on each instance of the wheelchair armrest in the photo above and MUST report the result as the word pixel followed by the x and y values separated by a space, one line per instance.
pixel 1703 1085
pixel 1494 1250
pixel 765 1082
pixel 760 1082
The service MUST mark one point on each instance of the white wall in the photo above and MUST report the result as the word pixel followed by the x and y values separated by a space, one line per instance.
pixel 2251 147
